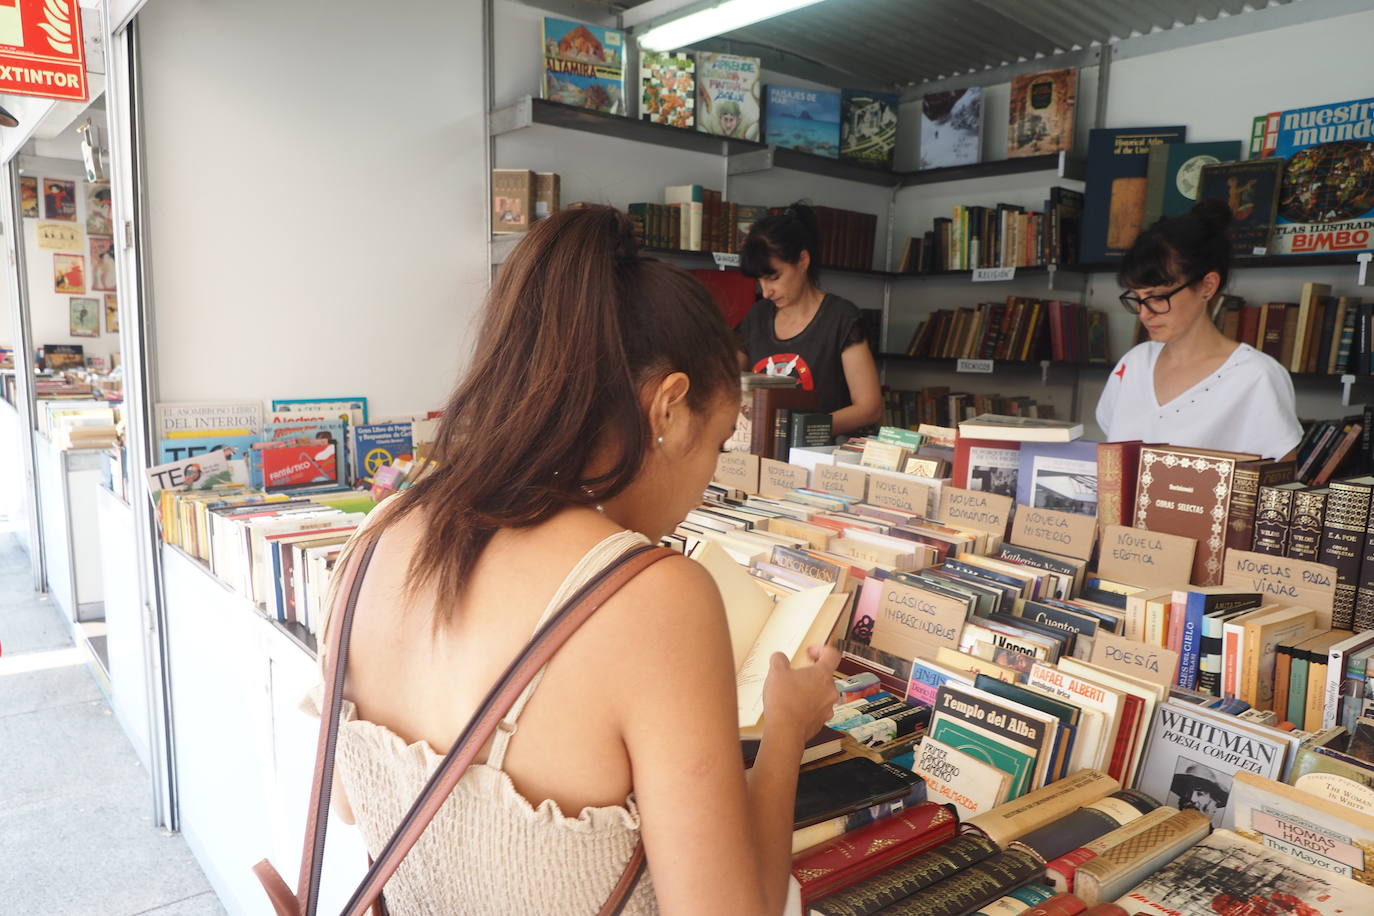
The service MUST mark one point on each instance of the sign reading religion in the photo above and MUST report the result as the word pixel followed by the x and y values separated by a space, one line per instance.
pixel 41 49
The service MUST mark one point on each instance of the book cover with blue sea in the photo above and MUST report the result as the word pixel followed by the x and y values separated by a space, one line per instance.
pixel 806 120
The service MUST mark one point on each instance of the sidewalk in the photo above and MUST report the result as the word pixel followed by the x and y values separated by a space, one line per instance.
pixel 76 829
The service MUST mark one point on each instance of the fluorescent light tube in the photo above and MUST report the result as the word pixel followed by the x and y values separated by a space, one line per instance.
pixel 717 20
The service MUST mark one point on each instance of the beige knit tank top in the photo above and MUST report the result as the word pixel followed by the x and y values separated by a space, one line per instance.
pixel 489 851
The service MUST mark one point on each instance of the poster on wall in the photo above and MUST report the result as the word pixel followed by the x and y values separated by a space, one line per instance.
pixel 69 273
pixel 59 197
pixel 85 317
pixel 28 197
pixel 98 220
pixel 102 263
pixel 59 236
pixel 42 51
pixel 111 313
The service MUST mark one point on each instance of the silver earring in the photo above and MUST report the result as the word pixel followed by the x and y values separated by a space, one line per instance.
pixel 659 440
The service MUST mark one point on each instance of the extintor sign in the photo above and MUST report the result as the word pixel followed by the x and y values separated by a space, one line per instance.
pixel 41 49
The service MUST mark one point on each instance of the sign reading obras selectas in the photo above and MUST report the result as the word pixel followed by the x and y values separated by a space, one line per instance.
pixel 1279 579
pixel 974 509
pixel 42 51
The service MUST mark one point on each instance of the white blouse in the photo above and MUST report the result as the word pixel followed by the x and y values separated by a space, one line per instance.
pixel 1246 405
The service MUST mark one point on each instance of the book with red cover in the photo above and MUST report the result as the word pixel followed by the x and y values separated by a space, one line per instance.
pixel 987 465
pixel 1249 325
pixel 765 406
pixel 1058 905
pixel 297 464
pixel 862 853
pixel 1272 341
pixel 1187 492
pixel 1117 466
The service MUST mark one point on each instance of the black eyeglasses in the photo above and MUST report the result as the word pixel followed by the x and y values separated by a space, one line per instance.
pixel 1155 305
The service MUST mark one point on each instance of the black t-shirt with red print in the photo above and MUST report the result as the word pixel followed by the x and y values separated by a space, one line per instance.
pixel 812 356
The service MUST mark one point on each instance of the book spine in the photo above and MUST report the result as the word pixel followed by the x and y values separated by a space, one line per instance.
pixel 973 887
pixel 1305 532
pixel 1086 824
pixel 1191 641
pixel 1363 616
pixel 916 874
pixel 1283 666
pixel 880 845
pixel 1343 545
pixel 1273 514
pixel 1059 905
pixel 1240 518
pixel 1111 485
pixel 782 433
pixel 1015 903
pixel 1114 872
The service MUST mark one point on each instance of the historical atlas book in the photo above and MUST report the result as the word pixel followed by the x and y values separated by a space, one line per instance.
pixel 1192 758
pixel 1226 873
pixel 806 120
pixel 1187 492
pixel 1118 169
pixel 1306 827
pixel 1251 190
pixel 584 65
pixel 668 84
pixel 868 127
pixel 951 127
pixel 1042 109
pixel 728 95
pixel 1327 199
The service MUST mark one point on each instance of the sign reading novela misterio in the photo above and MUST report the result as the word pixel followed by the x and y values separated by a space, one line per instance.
pixel 41 49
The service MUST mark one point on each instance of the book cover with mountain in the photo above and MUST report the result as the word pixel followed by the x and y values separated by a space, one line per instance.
pixel 668 83
pixel 868 127
pixel 1327 200
pixel 1116 188
pixel 728 95
pixel 1042 109
pixel 951 127
pixel 584 65
pixel 806 120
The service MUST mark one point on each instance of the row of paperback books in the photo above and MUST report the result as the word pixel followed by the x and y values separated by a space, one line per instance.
pixel 1004 235
pixel 1030 712
pixel 1019 329
pixel 1320 334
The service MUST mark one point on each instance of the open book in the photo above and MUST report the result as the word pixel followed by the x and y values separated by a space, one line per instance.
pixel 759 627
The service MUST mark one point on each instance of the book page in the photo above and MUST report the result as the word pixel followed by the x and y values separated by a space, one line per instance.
pixel 747 608
pixel 784 632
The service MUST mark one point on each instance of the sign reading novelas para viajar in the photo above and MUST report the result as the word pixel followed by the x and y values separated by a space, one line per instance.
pixel 41 49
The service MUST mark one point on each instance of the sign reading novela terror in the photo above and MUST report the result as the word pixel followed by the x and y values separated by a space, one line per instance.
pixel 42 52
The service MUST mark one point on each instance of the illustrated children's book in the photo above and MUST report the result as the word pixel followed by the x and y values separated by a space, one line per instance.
pixel 728 95
pixel 667 88
pixel 584 65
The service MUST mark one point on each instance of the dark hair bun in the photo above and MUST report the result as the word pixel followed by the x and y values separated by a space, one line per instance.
pixel 1213 214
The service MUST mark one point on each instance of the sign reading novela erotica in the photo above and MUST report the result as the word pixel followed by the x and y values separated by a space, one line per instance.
pixel 41 49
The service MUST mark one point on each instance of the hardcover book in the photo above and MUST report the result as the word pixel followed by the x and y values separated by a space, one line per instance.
pixel 376 445
pixel 971 888
pixel 584 65
pixel 1086 824
pixel 1175 173
pixel 876 847
pixel 988 466
pixel 1343 542
pixel 987 729
pixel 1305 532
pixel 668 85
pixel 868 127
pixel 971 785
pixel 1251 190
pixel 1192 759
pixel 1121 867
pixel 1187 492
pixel 1042 113
pixel 1306 827
pixel 1058 475
pixel 1273 516
pixel 1114 208
pixel 728 95
pixel 951 127
pixel 806 120
pixel 1328 186
pixel 1118 465
pixel 1033 810
pixel 1225 873
pixel 1061 871
pixel 839 788
pixel 915 874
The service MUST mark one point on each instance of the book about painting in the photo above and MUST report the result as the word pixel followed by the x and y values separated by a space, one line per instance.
pixel 806 120
pixel 584 65
pixel 951 127
pixel 667 85
pixel 728 95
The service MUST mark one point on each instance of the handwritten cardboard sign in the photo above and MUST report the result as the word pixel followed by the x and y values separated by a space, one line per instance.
pixel 892 492
pixel 1155 664
pixel 974 509
pixel 840 479
pixel 1283 581
pixel 1139 557
pixel 739 470
pixel 1057 532
pixel 912 622
pixel 778 478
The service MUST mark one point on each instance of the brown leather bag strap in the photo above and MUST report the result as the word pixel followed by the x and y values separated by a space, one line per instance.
pixel 536 654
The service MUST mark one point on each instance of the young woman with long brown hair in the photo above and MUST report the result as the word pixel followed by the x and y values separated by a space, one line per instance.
pixel 601 391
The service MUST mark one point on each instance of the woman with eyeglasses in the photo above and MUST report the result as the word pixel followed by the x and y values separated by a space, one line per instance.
pixel 1189 385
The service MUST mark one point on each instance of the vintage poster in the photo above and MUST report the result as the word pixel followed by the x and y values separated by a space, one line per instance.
pixel 98 218
pixel 1327 201
pixel 59 236
pixel 584 65
pixel 111 314
pixel 69 273
pixel 728 95
pixel 85 317
pixel 28 197
pixel 102 263
pixel 59 199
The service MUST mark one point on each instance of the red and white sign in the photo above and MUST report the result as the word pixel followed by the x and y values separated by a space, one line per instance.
pixel 41 49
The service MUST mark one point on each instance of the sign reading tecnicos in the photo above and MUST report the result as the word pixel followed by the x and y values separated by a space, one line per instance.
pixel 41 49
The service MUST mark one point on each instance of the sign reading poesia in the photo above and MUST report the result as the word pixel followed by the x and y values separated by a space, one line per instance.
pixel 41 49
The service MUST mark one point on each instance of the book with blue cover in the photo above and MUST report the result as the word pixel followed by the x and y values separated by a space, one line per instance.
pixel 1117 185
pixel 806 120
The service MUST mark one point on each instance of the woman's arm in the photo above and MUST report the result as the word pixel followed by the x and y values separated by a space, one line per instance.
pixel 865 391
pixel 716 844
